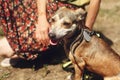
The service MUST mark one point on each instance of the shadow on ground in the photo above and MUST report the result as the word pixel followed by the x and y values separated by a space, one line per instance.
pixel 55 55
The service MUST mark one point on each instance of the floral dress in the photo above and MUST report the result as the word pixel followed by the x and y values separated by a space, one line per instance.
pixel 18 18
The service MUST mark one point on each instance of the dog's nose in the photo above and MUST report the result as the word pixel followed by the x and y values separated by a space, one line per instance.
pixel 51 35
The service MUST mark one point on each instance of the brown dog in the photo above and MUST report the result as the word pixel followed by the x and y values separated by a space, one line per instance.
pixel 85 49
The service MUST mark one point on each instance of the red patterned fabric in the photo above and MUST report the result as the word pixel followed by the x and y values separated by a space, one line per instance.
pixel 18 18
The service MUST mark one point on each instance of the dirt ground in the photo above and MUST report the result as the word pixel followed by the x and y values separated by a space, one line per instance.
pixel 49 65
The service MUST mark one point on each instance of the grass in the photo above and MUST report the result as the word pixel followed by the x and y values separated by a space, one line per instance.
pixel 108 16
pixel 5 75
pixel 1 32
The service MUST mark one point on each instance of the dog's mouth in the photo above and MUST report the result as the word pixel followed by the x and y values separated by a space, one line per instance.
pixel 53 42
pixel 53 39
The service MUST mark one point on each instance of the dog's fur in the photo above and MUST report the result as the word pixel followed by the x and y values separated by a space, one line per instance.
pixel 95 55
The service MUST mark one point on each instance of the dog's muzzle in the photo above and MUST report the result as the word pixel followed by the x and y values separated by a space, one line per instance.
pixel 52 36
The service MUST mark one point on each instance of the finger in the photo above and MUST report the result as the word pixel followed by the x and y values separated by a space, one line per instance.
pixel 42 39
pixel 39 39
pixel 47 39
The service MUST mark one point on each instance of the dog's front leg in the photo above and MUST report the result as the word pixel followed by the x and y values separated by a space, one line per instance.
pixel 78 66
pixel 78 73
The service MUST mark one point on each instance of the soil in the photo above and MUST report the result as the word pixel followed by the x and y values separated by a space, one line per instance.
pixel 49 65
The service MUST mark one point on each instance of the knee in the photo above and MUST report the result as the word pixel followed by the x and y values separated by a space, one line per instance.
pixel 6 54
pixel 5 49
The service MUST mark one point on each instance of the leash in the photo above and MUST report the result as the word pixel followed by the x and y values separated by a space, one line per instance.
pixel 75 44
pixel 85 34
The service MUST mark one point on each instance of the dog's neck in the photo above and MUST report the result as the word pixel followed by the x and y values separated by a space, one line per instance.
pixel 71 42
pixel 68 41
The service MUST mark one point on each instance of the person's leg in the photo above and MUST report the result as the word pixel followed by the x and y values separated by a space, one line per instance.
pixel 5 49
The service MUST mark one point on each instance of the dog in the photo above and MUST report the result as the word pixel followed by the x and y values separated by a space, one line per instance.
pixel 83 47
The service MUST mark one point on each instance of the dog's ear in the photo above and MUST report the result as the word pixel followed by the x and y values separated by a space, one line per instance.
pixel 80 13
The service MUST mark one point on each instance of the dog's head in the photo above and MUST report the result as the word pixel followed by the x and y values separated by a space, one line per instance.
pixel 64 23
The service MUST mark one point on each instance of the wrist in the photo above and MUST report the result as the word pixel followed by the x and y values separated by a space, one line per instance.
pixel 41 14
pixel 88 27
pixel 42 17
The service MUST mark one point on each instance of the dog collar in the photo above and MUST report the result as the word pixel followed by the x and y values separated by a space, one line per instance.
pixel 88 34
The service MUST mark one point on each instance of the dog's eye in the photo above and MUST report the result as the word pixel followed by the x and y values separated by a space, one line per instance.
pixel 66 23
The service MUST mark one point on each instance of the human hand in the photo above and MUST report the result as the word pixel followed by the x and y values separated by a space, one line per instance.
pixel 42 28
